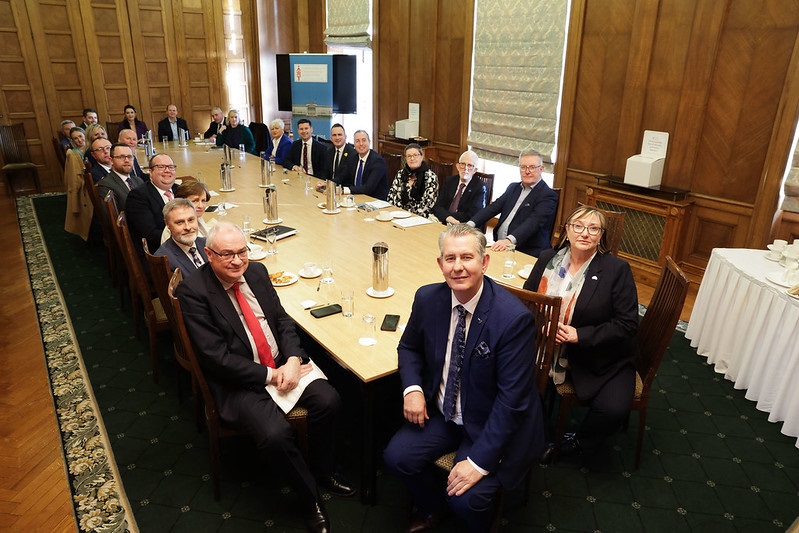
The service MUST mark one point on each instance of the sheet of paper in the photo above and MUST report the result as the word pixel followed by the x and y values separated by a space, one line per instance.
pixel 287 400
pixel 411 221
pixel 378 204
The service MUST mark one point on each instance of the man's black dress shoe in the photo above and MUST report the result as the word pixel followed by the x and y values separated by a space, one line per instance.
pixel 316 519
pixel 421 522
pixel 336 485
pixel 568 446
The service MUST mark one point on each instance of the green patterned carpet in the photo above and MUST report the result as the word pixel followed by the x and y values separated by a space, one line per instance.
pixel 711 461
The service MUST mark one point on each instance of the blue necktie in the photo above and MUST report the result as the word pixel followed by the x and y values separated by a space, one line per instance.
pixel 359 174
pixel 455 363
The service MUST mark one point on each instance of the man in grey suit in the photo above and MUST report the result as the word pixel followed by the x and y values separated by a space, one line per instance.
pixel 121 179
pixel 184 249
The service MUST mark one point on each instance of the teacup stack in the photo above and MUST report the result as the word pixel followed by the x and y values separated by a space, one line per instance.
pixel 776 249
pixel 790 254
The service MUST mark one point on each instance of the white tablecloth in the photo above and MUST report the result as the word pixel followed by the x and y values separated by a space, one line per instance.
pixel 748 328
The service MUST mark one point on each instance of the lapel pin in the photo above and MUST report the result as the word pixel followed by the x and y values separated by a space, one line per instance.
pixel 594 278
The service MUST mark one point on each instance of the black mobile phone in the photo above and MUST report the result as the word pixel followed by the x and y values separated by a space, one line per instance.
pixel 327 310
pixel 390 323
pixel 211 208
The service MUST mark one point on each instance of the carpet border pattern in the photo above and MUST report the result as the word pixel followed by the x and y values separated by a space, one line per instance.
pixel 99 500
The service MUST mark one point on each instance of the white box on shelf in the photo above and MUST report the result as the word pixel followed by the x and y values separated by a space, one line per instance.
pixel 407 129
pixel 646 169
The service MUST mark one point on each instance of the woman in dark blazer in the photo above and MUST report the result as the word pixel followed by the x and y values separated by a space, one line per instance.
pixel 598 324
pixel 131 122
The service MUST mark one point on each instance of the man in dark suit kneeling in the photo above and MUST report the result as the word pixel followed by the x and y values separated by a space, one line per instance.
pixel 245 340
pixel 465 362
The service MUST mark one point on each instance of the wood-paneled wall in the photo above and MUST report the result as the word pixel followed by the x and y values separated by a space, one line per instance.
pixel 423 54
pixel 719 76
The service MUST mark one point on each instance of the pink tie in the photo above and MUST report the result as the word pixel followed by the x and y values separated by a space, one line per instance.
pixel 169 195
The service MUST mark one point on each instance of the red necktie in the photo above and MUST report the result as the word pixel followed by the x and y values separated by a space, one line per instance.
pixel 305 157
pixel 264 351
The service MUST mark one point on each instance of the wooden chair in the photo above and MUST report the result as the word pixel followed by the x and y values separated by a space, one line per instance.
pixel 554 217
pixel 108 237
pixel 151 308
pixel 442 170
pixel 112 130
pixel 17 157
pixel 260 132
pixel 488 179
pixel 614 227
pixel 59 152
pixel 109 214
pixel 217 429
pixel 654 333
pixel 546 310
pixel 394 163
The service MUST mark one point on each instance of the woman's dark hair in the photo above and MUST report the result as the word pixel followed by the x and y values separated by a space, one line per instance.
pixel 417 190
pixel 136 118
pixel 190 187
pixel 580 212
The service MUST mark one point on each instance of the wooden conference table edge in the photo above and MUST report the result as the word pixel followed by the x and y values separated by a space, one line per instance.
pixel 412 256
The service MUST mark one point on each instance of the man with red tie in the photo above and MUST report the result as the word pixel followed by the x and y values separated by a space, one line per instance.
pixel 308 155
pixel 245 340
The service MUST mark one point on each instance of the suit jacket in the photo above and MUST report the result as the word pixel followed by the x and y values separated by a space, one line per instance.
pixel 321 166
pixel 531 224
pixel 213 128
pixel 165 129
pixel 499 402
pixel 137 169
pixel 145 216
pixel 473 199
pixel 374 181
pixel 606 317
pixel 220 340
pixel 347 165
pixel 141 127
pixel 178 258
pixel 283 149
pixel 97 171
pixel 114 182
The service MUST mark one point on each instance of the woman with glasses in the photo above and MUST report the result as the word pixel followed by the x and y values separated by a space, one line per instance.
pixel 130 122
pixel 596 345
pixel 415 188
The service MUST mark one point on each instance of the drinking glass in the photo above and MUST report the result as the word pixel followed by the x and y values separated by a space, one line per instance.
pixel 271 241
pixel 348 302
pixel 368 332
pixel 507 266
pixel 246 225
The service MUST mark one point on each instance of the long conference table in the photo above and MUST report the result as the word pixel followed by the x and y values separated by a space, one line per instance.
pixel 746 326
pixel 344 240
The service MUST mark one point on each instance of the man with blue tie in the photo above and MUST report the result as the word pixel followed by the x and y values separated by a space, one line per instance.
pixel 184 249
pixel 370 172
pixel 465 365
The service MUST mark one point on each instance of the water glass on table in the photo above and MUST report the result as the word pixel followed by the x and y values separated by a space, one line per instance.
pixel 510 262
pixel 271 241
pixel 368 337
pixel 246 225
pixel 347 302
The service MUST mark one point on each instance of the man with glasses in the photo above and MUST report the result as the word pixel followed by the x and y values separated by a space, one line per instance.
pixel 525 210
pixel 461 197
pixel 145 204
pixel 245 340
pixel 101 152
pixel 121 179
pixel 128 136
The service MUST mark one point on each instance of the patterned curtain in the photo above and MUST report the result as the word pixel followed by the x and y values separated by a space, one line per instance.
pixel 791 187
pixel 348 23
pixel 518 59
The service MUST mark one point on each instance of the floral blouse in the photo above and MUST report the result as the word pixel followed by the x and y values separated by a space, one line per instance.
pixel 422 206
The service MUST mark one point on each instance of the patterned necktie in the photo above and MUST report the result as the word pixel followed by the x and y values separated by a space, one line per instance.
pixel 359 174
pixel 336 161
pixel 257 332
pixel 130 185
pixel 195 256
pixel 169 195
pixel 455 363
pixel 305 157
pixel 453 207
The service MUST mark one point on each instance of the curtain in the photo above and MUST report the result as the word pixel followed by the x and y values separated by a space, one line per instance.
pixel 791 186
pixel 518 59
pixel 348 23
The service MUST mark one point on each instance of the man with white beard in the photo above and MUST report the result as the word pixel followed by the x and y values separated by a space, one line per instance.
pixel 184 249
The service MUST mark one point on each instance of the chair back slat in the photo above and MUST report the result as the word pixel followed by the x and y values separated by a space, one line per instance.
pixel 488 179
pixel 133 264
pixel 185 350
pixel 112 130
pixel 14 144
pixel 441 170
pixel 657 327
pixel 393 165
pixel 161 275
pixel 546 310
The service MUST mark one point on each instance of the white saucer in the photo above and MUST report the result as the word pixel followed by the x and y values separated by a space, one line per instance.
pixel 272 222
pixel 776 278
pixel 256 256
pixel 768 256
pixel 334 212
pixel 385 294
pixel 524 274
pixel 310 275
pixel 349 206
pixel 384 218
pixel 227 190
pixel 367 341
pixel 401 214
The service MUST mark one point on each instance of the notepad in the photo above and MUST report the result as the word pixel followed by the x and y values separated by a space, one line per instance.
pixel 411 222
pixel 282 232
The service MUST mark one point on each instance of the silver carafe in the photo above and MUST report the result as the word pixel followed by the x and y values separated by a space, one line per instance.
pixel 330 189
pixel 270 204
pixel 380 267
pixel 226 176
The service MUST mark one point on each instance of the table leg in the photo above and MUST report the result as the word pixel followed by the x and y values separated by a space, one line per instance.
pixel 368 464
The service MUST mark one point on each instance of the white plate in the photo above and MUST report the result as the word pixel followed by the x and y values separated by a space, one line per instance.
pixel 310 275
pixel 385 294
pixel 384 218
pixel 293 279
pixel 524 274
pixel 256 256
pixel 776 278
pixel 401 214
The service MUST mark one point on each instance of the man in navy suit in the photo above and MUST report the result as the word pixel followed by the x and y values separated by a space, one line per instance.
pixel 101 152
pixel 145 204
pixel 244 339
pixel 465 366
pixel 343 157
pixel 471 192
pixel 184 249
pixel 370 170
pixel 169 126
pixel 308 155
pixel 525 210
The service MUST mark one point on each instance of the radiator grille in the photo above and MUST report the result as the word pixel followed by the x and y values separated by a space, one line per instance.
pixel 643 232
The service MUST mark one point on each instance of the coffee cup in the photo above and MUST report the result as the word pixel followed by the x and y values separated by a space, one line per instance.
pixel 256 250
pixel 384 216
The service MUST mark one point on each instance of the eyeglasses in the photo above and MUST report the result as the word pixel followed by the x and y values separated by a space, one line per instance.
pixel 579 228
pixel 531 168
pixel 227 257
pixel 164 167
pixel 412 156
pixel 465 165
pixel 103 149
pixel 125 157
